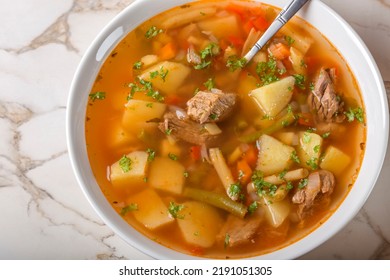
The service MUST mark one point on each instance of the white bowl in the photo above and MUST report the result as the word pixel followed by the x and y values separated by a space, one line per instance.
pixel 331 25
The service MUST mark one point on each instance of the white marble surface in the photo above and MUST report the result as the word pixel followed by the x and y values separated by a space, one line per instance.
pixel 43 213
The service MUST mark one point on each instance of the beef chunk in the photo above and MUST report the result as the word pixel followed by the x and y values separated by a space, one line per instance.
pixel 323 99
pixel 185 129
pixel 239 230
pixel 211 106
pixel 320 185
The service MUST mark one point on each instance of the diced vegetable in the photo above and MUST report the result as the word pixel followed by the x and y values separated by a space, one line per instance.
pixel 275 211
pixel 166 174
pixel 289 138
pixel 279 50
pixel 273 98
pixel 167 147
pixel 221 27
pixel 297 61
pixel 274 156
pixel 166 76
pixel 185 17
pixel 138 112
pixel 168 51
pixel 212 128
pixel 280 193
pixel 151 211
pixel 149 60
pixel 335 160
pixel 244 171
pixel 223 170
pixel 301 42
pixel 200 223
pixel 218 200
pixel 309 149
pixel 133 172
pixel 292 175
pixel 284 121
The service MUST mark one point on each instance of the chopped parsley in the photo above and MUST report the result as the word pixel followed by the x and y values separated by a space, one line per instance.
pixel 267 71
pixel 186 174
pixel 159 73
pixel 151 154
pixel 234 190
pixel 302 183
pixel 289 40
pixel 316 148
pixel 300 81
pixel 168 131
pixel 144 86
pixel 326 135
pixel 210 50
pixel 252 207
pixel 209 84
pixel 173 156
pixel 234 63
pixel 174 210
pixel 289 185
pixel 355 113
pixel 204 64
pixel 262 187
pixel 153 31
pixel 312 162
pixel 206 54
pixel 137 65
pixel 129 208
pixel 125 163
pixel 282 174
pixel 97 95
pixel 227 240
pixel 306 138
pixel 213 116
pixel 294 157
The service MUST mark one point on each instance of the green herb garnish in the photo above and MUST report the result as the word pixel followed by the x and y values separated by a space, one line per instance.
pixel 153 31
pixel 125 163
pixel 174 210
pixel 129 208
pixel 97 95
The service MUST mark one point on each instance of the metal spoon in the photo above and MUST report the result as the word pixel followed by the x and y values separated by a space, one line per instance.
pixel 285 15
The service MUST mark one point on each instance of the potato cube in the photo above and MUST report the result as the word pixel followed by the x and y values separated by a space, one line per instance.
pixel 288 138
pixel 138 112
pixel 131 170
pixel 309 149
pixel 166 76
pixel 221 27
pixel 274 156
pixel 166 174
pixel 168 147
pixel 151 210
pixel 335 160
pixel 200 223
pixel 275 211
pixel 273 98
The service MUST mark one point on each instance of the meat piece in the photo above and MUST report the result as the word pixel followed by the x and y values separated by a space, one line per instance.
pixel 323 99
pixel 185 129
pixel 192 57
pixel 320 185
pixel 211 106
pixel 239 230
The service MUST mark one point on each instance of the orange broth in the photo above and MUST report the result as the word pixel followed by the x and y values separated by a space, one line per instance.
pixel 109 139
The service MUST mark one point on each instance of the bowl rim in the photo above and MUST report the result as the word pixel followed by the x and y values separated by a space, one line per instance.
pixel 117 28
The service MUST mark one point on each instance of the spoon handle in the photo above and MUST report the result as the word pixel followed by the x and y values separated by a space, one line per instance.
pixel 285 15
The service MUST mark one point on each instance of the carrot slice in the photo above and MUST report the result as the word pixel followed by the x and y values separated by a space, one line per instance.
pixel 168 51
pixel 244 171
pixel 195 152
pixel 280 51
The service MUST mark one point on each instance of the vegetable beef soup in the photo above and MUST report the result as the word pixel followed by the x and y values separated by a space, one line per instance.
pixel 215 157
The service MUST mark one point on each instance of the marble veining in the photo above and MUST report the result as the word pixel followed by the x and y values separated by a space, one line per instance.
pixel 44 212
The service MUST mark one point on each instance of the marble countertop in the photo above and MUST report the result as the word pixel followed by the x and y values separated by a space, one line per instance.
pixel 44 214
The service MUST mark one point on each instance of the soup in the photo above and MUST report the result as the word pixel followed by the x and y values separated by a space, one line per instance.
pixel 211 155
